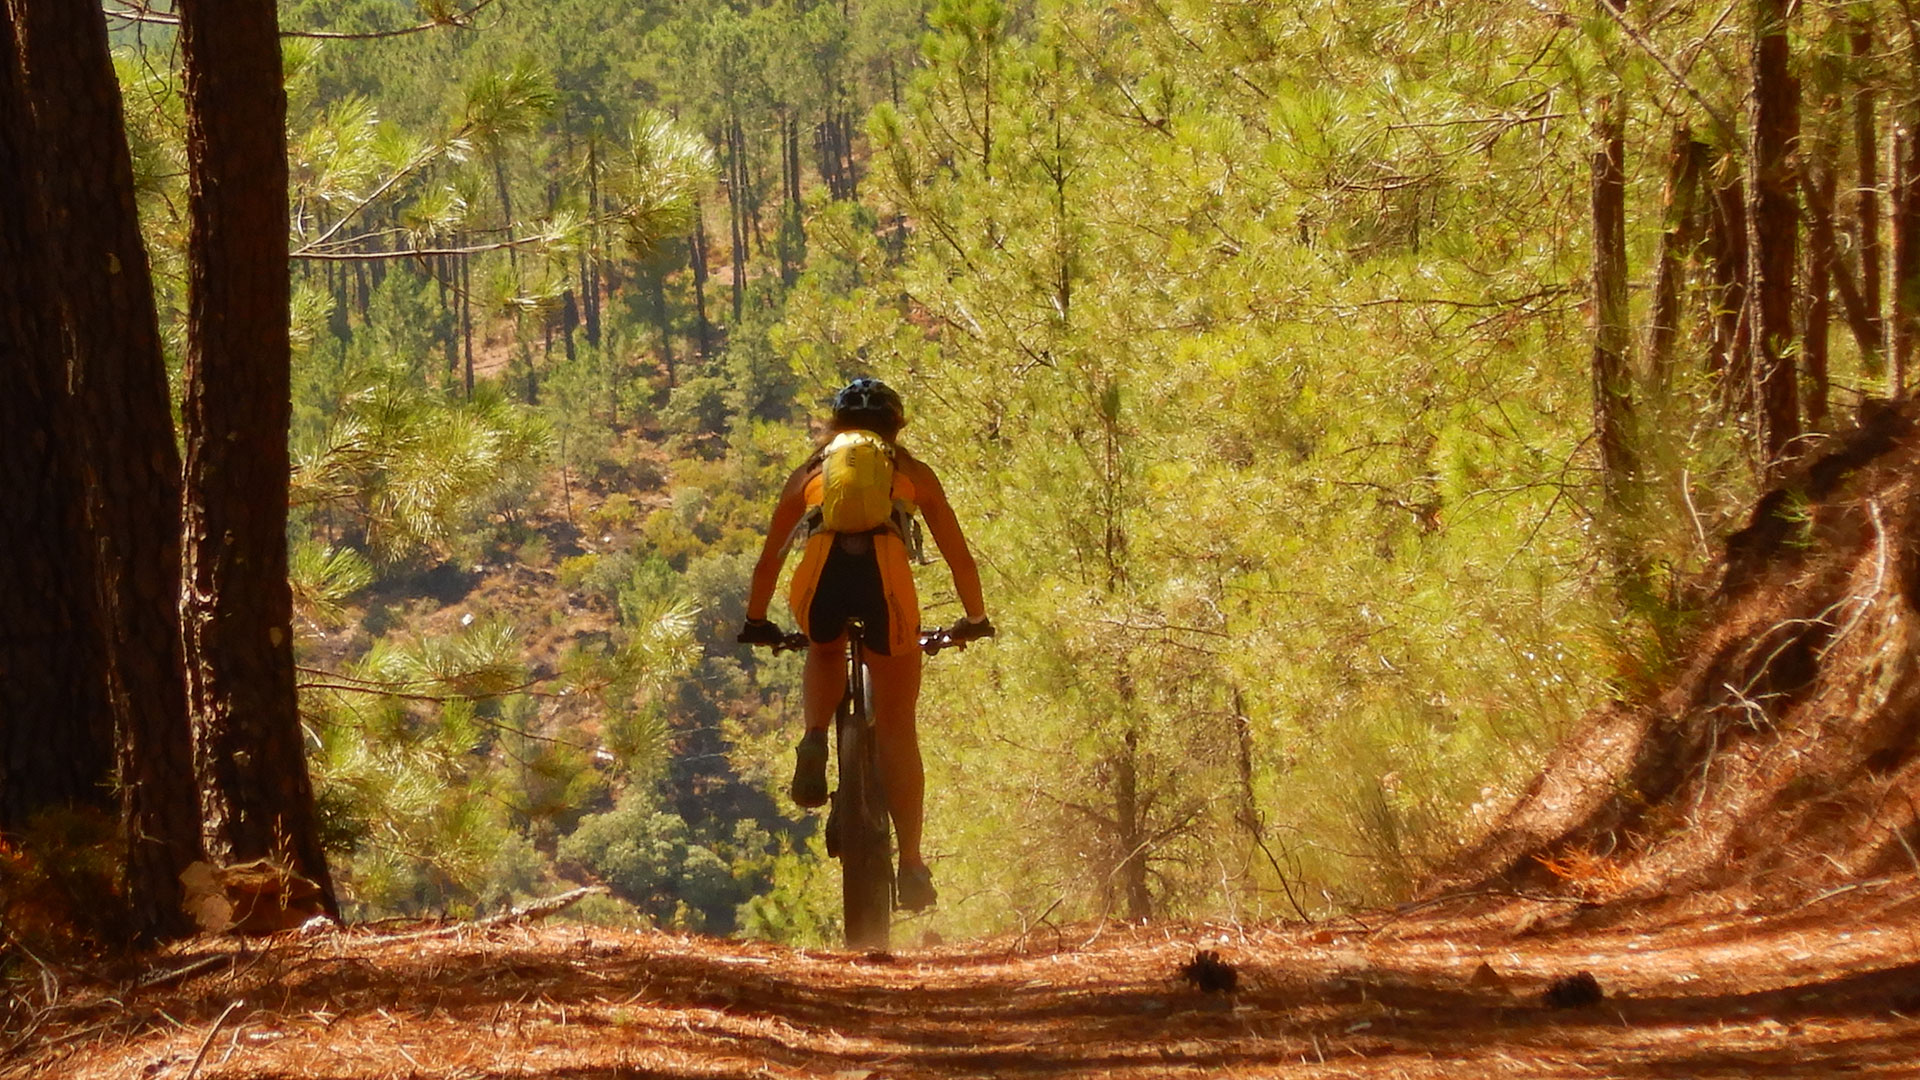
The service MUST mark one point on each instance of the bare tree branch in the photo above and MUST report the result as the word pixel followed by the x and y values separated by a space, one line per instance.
pixel 458 20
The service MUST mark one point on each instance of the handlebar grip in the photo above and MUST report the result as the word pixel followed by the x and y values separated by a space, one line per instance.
pixel 937 638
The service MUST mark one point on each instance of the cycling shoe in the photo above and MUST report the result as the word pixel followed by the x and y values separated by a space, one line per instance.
pixel 914 886
pixel 809 787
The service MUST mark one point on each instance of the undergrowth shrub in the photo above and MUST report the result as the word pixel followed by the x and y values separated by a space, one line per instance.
pixel 60 881
pixel 650 859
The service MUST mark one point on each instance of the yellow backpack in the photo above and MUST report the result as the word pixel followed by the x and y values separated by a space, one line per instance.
pixel 856 482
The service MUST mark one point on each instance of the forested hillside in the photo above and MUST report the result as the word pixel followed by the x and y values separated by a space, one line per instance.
pixel 1341 398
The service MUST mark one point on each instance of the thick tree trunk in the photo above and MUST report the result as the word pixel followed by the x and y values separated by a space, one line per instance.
pixel 1612 329
pixel 120 441
pixel 56 724
pixel 1679 244
pixel 1775 223
pixel 239 608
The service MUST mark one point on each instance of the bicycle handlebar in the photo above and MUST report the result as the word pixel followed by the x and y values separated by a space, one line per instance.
pixel 793 642
pixel 932 640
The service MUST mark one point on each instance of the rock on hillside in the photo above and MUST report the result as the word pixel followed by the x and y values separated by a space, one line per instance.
pixel 1780 761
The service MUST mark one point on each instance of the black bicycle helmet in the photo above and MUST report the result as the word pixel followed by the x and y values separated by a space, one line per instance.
pixel 868 396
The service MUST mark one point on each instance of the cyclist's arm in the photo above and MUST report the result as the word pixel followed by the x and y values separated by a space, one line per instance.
pixel 945 528
pixel 766 572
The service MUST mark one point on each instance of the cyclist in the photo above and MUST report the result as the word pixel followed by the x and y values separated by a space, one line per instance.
pixel 865 576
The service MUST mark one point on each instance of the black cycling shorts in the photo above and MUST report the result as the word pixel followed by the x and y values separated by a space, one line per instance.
pixel 850 588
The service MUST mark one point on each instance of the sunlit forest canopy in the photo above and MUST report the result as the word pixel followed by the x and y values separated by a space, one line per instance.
pixel 1341 398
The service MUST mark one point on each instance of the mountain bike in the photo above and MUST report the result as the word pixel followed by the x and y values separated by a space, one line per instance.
pixel 859 828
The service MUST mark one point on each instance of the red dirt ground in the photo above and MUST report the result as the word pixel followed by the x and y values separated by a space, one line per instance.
pixel 1830 989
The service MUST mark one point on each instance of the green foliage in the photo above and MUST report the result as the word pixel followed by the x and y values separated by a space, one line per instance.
pixel 659 175
pixel 323 579
pixel 649 858
pixel 504 103
pixel 406 468
pixel 800 905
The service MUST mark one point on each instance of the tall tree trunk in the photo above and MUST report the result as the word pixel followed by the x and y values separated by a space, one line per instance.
pixel 1679 243
pixel 1775 223
pixel 1873 341
pixel 589 316
pixel 466 319
pixel 506 204
pixel 1728 335
pixel 1612 387
pixel 590 259
pixel 239 609
pixel 1821 255
pixel 1129 811
pixel 752 188
pixel 64 97
pixel 737 214
pixel 986 120
pixel 664 321
pixel 787 243
pixel 442 267
pixel 569 321
pixel 793 161
pixel 1247 809
pixel 56 724
pixel 1906 256
pixel 698 250
pixel 824 134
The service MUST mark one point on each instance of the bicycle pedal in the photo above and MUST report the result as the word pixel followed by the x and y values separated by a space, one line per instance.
pixel 833 826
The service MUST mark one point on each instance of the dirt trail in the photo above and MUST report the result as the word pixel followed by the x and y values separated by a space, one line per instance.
pixel 1828 989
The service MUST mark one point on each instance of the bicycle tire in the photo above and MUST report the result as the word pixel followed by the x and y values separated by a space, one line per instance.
pixel 865 835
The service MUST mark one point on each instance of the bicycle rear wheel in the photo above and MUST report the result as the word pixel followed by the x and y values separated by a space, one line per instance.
pixel 865 835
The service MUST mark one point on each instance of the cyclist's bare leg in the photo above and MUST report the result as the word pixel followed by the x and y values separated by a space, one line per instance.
pixel 896 695
pixel 824 682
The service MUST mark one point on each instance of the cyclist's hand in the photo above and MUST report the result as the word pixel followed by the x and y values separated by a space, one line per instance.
pixel 968 629
pixel 759 632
